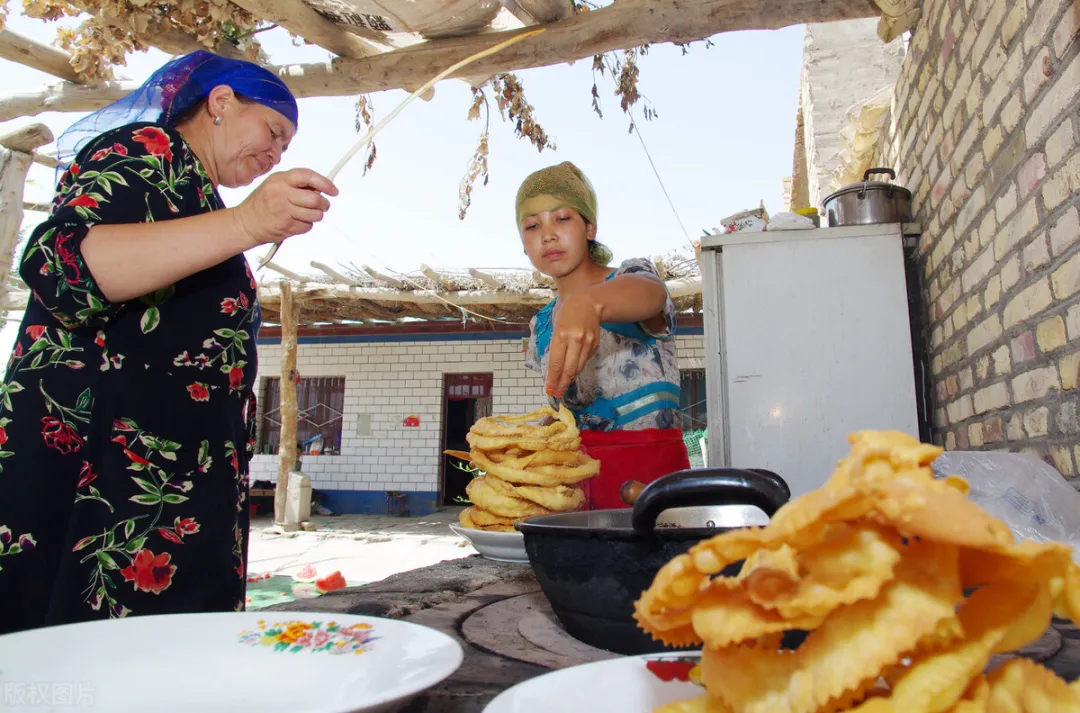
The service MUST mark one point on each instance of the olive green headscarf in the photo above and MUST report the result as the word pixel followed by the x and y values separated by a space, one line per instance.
pixel 561 186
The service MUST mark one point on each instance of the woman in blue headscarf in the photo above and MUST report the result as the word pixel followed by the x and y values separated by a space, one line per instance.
pixel 127 414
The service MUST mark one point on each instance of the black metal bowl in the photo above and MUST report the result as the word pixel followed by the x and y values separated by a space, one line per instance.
pixel 592 566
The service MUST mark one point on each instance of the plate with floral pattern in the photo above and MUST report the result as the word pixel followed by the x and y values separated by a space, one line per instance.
pixel 631 684
pixel 269 661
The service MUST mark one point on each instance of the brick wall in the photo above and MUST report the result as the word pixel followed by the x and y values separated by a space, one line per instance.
pixel 391 380
pixel 984 132
pixel 844 63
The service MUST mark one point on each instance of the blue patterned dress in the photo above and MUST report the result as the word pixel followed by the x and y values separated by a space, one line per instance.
pixel 630 363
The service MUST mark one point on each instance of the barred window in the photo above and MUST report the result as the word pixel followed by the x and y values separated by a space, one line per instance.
pixel 320 402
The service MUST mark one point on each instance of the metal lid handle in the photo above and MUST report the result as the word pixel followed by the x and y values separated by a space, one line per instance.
pixel 872 171
pixel 709 486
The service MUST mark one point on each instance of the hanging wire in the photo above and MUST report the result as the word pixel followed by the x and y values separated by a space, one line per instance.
pixel 656 172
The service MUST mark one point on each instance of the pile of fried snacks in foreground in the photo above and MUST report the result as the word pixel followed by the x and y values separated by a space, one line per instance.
pixel 532 466
pixel 907 589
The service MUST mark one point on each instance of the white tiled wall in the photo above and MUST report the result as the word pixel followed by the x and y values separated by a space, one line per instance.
pixel 391 380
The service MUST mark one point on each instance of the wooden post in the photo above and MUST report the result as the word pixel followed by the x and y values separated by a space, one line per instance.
pixel 290 318
pixel 16 155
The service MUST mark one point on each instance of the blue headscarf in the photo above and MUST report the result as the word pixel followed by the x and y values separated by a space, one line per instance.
pixel 173 90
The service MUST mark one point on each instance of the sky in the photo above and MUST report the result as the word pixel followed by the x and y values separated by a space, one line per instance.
pixel 722 142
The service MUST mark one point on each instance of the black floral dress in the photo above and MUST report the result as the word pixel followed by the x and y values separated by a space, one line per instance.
pixel 125 429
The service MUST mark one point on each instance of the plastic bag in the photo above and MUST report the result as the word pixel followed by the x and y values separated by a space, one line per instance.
pixel 1022 491
pixel 790 221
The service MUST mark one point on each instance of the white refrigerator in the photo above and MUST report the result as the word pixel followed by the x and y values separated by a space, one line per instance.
pixel 807 339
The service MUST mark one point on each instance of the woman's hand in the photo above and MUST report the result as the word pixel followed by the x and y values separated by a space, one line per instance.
pixel 285 204
pixel 575 336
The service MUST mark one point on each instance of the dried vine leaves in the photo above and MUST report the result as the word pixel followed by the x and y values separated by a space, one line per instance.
pixel 117 27
pixel 510 99
pixel 365 119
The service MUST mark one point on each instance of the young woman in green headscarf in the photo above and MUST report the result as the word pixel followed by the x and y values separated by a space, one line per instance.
pixel 606 344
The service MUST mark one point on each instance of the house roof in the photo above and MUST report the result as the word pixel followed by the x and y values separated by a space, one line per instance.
pixel 352 294
pixel 361 295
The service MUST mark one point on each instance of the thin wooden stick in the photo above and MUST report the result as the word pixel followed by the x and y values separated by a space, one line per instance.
pixel 389 117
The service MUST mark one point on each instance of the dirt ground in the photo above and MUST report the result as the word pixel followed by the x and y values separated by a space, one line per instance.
pixel 364 548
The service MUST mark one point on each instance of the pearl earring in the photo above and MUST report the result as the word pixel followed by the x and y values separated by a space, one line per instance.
pixel 217 121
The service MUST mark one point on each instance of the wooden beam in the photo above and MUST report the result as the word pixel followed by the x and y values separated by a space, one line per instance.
pixel 538 12
pixel 290 317
pixel 286 272
pixel 300 19
pixel 395 283
pixel 46 160
pixel 334 274
pixel 271 295
pixel 621 25
pixel 27 52
pixel 487 279
pixel 27 139
pixel 14 165
pixel 683 287
pixel 64 96
pixel 438 279
pixel 897 17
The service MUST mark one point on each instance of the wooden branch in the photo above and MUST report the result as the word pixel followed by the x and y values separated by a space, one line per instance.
pixel 287 273
pixel 287 450
pixel 538 12
pixel 46 160
pixel 398 284
pixel 320 297
pixel 14 165
pixel 661 270
pixel 36 207
pixel 897 17
pixel 27 52
pixel 621 25
pixel 27 139
pixel 334 274
pixel 487 279
pixel 344 295
pixel 535 297
pixel 300 19
pixel 177 42
pixel 436 278
pixel 64 96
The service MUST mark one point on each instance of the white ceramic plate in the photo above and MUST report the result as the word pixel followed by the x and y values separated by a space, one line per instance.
pixel 632 684
pixel 270 662
pixel 498 546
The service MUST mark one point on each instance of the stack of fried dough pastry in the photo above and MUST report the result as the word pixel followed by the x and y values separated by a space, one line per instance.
pixel 906 587
pixel 532 464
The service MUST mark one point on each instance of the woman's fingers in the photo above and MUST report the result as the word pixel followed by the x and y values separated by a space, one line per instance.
pixel 570 367
pixel 306 178
pixel 556 360
pixel 309 199
pixel 299 227
pixel 306 215
pixel 587 351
